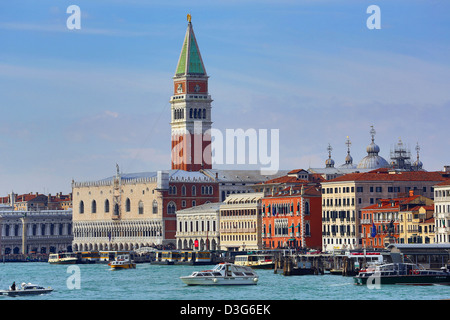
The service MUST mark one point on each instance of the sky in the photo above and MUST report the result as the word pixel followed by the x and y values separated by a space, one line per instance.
pixel 74 102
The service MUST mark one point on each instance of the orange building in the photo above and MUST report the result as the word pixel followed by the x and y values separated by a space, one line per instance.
pixel 292 218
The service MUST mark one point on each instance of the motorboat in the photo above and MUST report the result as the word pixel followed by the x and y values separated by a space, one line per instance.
pixel 26 289
pixel 122 261
pixel 256 261
pixel 223 274
pixel 401 273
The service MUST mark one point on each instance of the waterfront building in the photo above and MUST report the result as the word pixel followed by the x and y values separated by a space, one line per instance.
pixel 344 197
pixel 37 231
pixel 442 211
pixel 240 222
pixel 396 220
pixel 129 211
pixel 291 218
pixel 198 227
pixel 421 228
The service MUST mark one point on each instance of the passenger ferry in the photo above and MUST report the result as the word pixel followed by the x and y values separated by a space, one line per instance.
pixel 222 274
pixel 169 257
pixel 402 273
pixel 63 258
pixel 256 261
pixel 122 262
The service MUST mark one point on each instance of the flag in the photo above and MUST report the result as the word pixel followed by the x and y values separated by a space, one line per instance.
pixel 373 231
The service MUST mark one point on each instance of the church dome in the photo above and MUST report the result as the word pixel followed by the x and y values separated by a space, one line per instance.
pixel 373 148
pixel 348 159
pixel 373 160
pixel 329 163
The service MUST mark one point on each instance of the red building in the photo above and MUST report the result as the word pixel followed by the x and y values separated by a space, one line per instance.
pixel 292 218
pixel 186 194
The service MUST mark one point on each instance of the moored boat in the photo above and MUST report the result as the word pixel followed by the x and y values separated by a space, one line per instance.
pixel 63 258
pixel 402 273
pixel 122 261
pixel 223 274
pixel 26 289
pixel 255 261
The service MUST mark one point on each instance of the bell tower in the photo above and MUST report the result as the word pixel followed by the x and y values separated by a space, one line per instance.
pixel 191 109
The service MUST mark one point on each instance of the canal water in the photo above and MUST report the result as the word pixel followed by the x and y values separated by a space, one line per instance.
pixel 155 282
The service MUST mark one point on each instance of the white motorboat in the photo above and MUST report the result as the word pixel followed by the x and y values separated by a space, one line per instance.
pixel 222 274
pixel 26 289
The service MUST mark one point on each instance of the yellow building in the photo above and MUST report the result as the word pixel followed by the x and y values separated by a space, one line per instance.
pixel 417 224
pixel 240 222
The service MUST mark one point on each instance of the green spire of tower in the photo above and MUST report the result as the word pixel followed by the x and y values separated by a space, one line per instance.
pixel 190 61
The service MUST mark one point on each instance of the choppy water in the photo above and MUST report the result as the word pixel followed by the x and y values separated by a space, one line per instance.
pixel 155 282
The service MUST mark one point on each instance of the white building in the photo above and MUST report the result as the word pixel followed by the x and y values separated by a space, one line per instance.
pixel 44 231
pixel 198 227
pixel 442 212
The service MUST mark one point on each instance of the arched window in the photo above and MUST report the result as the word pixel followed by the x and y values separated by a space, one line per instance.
pixel 155 207
pixel 94 206
pixel 116 209
pixel 194 190
pixel 306 207
pixel 141 207
pixel 81 206
pixel 183 190
pixel 204 113
pixel 190 113
pixel 307 230
pixel 210 188
pixel 171 208
pixel 106 206
pixel 128 205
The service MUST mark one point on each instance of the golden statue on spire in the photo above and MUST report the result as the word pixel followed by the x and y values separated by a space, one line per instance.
pixel 189 17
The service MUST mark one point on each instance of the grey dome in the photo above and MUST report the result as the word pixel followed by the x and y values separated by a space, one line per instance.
pixel 373 160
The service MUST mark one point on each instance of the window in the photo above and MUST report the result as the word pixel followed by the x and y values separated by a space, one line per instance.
pixel 171 208
pixel 183 190
pixel 94 206
pixel 106 206
pixel 141 207
pixel 128 205
pixel 194 191
pixel 155 207
pixel 81 207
